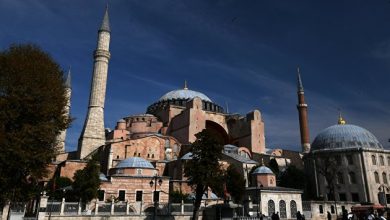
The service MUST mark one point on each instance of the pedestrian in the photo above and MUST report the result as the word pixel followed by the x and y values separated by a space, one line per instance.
pixel 299 216
pixel 345 215
pixel 273 216
pixel 277 216
pixel 329 216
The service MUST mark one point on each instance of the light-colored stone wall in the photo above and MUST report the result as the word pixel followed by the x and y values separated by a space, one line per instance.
pixel 364 170
pixel 93 134
pixel 276 197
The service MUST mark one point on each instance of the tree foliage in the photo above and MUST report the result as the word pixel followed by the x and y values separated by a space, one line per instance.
pixel 32 101
pixel 235 184
pixel 328 168
pixel 292 177
pixel 273 165
pixel 60 187
pixel 177 197
pixel 87 182
pixel 203 170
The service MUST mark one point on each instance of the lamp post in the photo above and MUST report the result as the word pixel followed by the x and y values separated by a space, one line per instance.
pixel 258 191
pixel 154 182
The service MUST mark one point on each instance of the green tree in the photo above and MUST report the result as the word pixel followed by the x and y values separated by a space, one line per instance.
pixel 87 182
pixel 292 177
pixel 177 197
pixel 273 165
pixel 32 101
pixel 203 170
pixel 60 187
pixel 235 184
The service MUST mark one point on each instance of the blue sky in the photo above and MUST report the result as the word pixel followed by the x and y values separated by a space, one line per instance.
pixel 243 53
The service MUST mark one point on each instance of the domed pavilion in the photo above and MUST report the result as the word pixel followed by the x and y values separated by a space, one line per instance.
pixel 348 163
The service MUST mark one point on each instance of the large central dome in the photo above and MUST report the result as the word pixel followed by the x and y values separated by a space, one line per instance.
pixel 345 136
pixel 184 94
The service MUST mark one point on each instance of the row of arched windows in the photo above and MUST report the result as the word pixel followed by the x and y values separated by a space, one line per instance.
pixel 384 177
pixel 351 178
pixel 282 208
pixel 381 160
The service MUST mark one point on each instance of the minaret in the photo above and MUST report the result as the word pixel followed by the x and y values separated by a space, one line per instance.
pixel 302 111
pixel 93 135
pixel 68 92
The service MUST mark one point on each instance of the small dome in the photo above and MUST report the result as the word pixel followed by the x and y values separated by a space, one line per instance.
pixel 263 170
pixel 102 177
pixel 229 148
pixel 134 162
pixel 345 136
pixel 121 120
pixel 187 156
pixel 184 94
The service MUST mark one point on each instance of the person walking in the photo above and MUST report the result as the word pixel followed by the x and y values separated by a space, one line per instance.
pixel 329 216
pixel 299 216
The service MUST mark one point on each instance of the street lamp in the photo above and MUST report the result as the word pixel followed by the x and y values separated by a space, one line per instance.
pixel 258 198
pixel 155 201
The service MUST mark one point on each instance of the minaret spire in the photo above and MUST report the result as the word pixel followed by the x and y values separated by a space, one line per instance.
pixel 302 111
pixel 62 135
pixel 106 22
pixel 68 80
pixel 93 135
pixel 300 85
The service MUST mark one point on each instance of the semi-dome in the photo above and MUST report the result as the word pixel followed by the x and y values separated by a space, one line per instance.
pixel 345 136
pixel 263 170
pixel 184 94
pixel 134 162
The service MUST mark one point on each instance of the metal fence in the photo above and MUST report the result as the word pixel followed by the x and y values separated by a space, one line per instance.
pixel 53 208
pixel 120 208
pixel 104 209
pixel 71 208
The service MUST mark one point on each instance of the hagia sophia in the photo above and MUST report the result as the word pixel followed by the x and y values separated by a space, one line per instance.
pixel 157 143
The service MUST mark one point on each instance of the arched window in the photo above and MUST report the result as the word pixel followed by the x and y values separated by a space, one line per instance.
pixel 352 177
pixel 373 158
pixel 321 209
pixel 340 178
pixel 384 177
pixel 332 209
pixel 282 209
pixel 271 207
pixel 381 160
pixel 293 209
pixel 376 175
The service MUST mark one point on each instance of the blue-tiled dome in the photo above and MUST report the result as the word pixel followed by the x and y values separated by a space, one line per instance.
pixel 344 136
pixel 184 94
pixel 263 170
pixel 134 162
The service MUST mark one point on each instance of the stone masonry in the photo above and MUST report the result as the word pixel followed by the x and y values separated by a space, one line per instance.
pixel 93 135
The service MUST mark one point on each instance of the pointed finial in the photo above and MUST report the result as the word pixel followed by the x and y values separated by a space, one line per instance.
pixel 106 21
pixel 262 161
pixel 300 85
pixel 185 85
pixel 68 80
pixel 341 121
pixel 227 107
